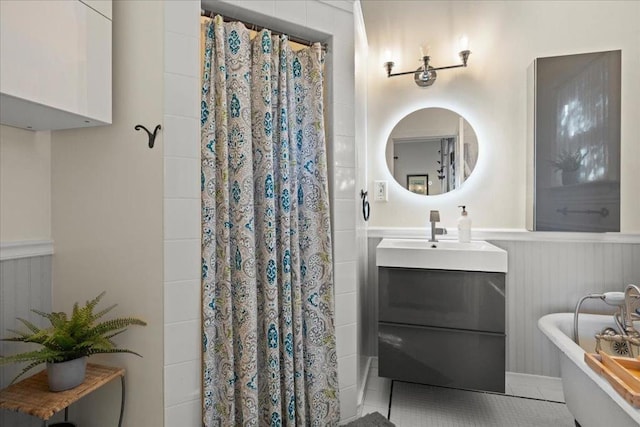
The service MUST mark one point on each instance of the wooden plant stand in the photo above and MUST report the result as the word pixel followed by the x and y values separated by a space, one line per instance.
pixel 32 396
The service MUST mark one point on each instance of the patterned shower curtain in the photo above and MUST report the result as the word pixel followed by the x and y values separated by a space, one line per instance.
pixel 268 328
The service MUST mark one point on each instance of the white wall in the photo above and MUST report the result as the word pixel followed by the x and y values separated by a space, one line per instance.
pixel 25 185
pixel 107 217
pixel 505 37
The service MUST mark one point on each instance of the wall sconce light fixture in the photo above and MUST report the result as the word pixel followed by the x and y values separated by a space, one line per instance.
pixel 426 75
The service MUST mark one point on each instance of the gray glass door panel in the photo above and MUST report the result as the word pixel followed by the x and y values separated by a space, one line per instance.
pixel 450 299
pixel 444 357
pixel 574 171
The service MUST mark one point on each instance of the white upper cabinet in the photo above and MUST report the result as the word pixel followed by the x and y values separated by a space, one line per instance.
pixel 55 63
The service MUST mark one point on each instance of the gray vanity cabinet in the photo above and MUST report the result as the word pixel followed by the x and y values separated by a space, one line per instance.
pixel 442 327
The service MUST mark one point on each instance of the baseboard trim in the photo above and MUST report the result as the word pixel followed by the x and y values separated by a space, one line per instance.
pixel 348 420
pixel 517 376
pixel 25 249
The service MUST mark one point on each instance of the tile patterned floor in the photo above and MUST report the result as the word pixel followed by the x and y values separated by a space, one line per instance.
pixel 416 405
pixel 377 393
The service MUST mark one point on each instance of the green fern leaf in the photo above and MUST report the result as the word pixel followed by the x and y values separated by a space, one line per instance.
pixel 114 350
pixel 116 324
pixel 99 314
pixel 26 369
pixel 33 328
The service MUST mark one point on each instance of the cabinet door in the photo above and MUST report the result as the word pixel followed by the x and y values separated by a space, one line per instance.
pixel 449 299
pixel 445 357
pixel 574 150
pixel 55 65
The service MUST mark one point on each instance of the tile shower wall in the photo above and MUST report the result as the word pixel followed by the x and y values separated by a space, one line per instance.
pixel 361 53
pixel 182 349
pixel 544 277
pixel 25 284
pixel 336 18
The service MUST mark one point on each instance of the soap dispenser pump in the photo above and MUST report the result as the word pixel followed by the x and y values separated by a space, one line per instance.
pixel 464 226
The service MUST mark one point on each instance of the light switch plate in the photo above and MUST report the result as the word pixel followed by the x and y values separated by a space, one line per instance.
pixel 380 193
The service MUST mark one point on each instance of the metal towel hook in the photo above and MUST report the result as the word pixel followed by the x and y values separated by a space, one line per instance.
pixel 152 136
pixel 366 209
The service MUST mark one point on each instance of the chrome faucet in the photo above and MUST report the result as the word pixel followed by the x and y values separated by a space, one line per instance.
pixel 434 217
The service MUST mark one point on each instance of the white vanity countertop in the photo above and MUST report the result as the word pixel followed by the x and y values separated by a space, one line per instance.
pixel 476 255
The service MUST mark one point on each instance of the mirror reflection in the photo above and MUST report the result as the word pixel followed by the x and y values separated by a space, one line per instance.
pixel 432 151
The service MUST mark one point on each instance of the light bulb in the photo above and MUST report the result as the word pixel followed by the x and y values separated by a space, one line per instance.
pixel 387 56
pixel 424 50
pixel 463 43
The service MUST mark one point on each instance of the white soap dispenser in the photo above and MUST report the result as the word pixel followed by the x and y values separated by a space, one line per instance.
pixel 464 226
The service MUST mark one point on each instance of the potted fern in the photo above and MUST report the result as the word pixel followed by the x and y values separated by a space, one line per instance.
pixel 68 342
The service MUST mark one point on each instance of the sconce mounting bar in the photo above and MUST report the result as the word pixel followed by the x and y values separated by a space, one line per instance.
pixel 427 78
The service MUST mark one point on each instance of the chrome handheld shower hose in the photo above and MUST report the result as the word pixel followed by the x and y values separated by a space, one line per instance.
pixel 577 311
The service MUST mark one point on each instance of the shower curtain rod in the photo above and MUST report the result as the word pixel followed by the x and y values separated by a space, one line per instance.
pixel 210 14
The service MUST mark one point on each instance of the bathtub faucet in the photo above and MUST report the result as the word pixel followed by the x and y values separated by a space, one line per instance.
pixel 627 304
pixel 616 299
pixel 631 301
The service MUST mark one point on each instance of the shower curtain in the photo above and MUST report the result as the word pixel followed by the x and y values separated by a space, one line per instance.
pixel 268 330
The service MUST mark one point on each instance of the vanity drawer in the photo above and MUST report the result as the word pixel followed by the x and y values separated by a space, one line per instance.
pixel 450 299
pixel 444 357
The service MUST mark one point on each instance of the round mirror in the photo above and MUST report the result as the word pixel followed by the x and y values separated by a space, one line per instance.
pixel 432 151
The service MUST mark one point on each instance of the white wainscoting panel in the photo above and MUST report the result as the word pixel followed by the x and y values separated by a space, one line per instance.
pixel 25 284
pixel 550 277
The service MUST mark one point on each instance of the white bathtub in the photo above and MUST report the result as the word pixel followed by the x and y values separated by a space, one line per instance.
pixel 590 398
